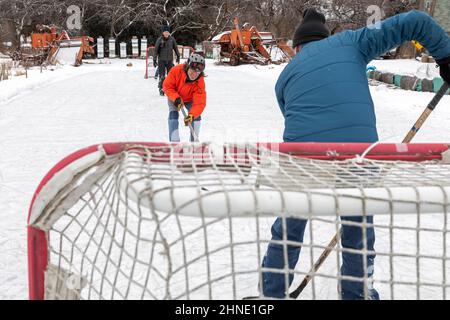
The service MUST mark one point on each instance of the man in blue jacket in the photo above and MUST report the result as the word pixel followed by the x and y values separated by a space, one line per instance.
pixel 324 96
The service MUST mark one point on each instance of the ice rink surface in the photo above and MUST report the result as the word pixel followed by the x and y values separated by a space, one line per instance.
pixel 50 115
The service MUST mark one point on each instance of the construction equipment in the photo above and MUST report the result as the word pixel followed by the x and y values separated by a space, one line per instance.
pixel 248 45
pixel 242 46
pixel 287 50
pixel 60 47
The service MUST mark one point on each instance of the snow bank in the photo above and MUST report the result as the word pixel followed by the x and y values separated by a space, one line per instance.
pixel 19 85
pixel 407 68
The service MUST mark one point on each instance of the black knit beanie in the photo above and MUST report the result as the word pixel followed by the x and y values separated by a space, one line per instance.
pixel 312 28
pixel 165 28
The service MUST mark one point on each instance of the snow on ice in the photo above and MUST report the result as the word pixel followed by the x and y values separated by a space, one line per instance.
pixel 52 114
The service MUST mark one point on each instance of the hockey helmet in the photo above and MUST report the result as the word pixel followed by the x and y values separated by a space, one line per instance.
pixel 196 62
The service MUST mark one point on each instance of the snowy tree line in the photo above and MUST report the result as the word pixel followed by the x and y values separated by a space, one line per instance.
pixel 191 21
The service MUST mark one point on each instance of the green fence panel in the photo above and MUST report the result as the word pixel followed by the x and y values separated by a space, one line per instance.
pixel 437 84
pixel 398 80
pixel 419 86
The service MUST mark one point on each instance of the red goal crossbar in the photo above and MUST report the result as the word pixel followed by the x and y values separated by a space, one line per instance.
pixel 37 239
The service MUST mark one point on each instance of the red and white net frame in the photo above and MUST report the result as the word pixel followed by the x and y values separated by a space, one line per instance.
pixel 182 221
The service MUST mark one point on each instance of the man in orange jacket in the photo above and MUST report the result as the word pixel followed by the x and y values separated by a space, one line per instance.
pixel 185 87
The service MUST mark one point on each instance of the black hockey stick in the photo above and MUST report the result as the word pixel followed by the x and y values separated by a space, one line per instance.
pixel 190 126
pixel 431 106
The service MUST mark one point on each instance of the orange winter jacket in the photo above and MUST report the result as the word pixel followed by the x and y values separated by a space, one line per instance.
pixel 176 85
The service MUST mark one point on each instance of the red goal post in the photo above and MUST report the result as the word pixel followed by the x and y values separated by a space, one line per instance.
pixel 147 58
pixel 198 157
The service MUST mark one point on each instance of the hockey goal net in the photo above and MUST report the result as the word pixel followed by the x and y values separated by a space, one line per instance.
pixel 163 221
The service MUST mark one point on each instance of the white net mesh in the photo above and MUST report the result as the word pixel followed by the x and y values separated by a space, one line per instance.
pixel 194 223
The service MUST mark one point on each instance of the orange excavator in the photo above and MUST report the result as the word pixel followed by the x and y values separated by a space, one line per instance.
pixel 242 46
pixel 47 40
pixel 248 45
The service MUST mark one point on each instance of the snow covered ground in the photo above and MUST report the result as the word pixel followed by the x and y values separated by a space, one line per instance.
pixel 48 116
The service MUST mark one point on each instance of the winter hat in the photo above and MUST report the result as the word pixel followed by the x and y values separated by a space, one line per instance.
pixel 165 28
pixel 312 28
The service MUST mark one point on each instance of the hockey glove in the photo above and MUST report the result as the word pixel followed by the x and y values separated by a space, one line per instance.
pixel 155 64
pixel 188 120
pixel 179 103
pixel 444 66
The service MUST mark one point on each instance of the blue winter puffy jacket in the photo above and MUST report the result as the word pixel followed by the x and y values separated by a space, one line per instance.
pixel 323 92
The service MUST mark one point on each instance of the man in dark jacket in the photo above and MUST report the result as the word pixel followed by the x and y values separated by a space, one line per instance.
pixel 164 48
pixel 324 96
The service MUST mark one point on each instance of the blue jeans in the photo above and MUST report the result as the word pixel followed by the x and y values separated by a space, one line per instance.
pixel 174 134
pixel 352 263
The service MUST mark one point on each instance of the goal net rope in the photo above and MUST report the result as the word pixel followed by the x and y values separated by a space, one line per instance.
pixel 193 222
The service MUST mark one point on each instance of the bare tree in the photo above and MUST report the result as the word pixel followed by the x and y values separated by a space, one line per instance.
pixel 189 19
pixel 18 14
pixel 117 14
pixel 22 15
pixel 281 16
pixel 218 15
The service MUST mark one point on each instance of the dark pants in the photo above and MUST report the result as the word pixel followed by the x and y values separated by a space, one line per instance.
pixel 352 263
pixel 163 66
